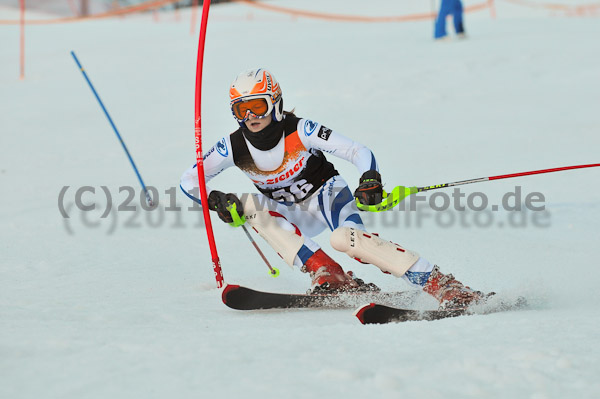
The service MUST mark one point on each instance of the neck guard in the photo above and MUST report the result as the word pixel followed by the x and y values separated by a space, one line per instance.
pixel 267 138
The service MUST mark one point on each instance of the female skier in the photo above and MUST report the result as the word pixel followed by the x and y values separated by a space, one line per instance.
pixel 301 194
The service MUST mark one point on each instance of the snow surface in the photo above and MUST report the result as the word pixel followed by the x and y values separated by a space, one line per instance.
pixel 127 307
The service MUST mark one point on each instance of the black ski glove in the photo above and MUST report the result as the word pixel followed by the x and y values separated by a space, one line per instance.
pixel 370 189
pixel 219 201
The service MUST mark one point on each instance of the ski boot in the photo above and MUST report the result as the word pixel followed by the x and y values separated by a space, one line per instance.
pixel 451 293
pixel 329 277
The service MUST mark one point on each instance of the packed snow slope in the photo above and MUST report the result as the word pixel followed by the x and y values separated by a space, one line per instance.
pixel 126 306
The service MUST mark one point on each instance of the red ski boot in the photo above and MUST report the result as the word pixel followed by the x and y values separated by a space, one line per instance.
pixel 451 293
pixel 327 274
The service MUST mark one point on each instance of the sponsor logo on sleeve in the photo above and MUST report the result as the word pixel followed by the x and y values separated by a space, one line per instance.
pixel 324 133
pixel 212 149
pixel 222 148
pixel 310 127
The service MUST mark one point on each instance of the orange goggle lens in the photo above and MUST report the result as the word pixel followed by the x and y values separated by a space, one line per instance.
pixel 257 106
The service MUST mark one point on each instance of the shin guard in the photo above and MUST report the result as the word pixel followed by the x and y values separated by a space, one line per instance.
pixel 284 237
pixel 369 248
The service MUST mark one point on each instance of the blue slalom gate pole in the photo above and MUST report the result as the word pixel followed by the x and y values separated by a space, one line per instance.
pixel 148 198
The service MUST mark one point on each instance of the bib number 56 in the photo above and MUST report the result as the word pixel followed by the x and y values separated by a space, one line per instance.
pixel 294 193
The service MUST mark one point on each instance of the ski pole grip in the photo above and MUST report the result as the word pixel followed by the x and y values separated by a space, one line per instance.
pixel 390 200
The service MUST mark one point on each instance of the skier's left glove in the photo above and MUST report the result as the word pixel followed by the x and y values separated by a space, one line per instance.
pixel 228 207
pixel 370 189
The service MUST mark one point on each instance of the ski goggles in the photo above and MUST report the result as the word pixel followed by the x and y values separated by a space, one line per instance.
pixel 257 106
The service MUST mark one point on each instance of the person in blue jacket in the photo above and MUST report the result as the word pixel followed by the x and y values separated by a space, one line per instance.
pixel 448 7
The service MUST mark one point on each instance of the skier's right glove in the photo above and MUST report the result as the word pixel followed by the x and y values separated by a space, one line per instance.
pixel 370 189
pixel 228 207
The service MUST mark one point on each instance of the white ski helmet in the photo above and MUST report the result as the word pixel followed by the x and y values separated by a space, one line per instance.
pixel 256 92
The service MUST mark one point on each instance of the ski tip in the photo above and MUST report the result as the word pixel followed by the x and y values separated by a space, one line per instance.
pixel 360 312
pixel 226 290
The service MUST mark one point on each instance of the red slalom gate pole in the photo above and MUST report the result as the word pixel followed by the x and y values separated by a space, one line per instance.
pixel 22 44
pixel 492 8
pixel 537 172
pixel 498 177
pixel 73 8
pixel 194 12
pixel 199 156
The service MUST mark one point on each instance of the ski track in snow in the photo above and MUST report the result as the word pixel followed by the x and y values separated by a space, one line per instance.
pixel 126 306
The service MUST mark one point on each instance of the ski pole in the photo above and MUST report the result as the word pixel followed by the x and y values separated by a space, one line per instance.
pixel 148 197
pixel 273 271
pixel 239 221
pixel 400 192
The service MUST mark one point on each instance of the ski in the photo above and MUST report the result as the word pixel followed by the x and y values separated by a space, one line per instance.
pixel 374 313
pixel 243 298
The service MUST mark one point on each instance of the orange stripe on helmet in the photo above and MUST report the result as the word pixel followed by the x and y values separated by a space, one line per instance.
pixel 263 86
pixel 233 93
